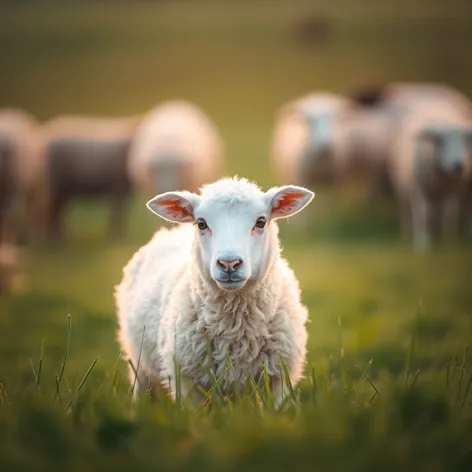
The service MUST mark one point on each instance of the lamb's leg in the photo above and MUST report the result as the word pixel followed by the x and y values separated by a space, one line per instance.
pixel 37 210
pixel 450 218
pixel 423 215
pixel 405 218
pixel 9 221
pixel 56 215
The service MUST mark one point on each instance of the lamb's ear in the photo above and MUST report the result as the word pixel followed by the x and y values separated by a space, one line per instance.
pixel 288 200
pixel 177 207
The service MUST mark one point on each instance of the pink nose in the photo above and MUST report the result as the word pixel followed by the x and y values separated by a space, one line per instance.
pixel 230 266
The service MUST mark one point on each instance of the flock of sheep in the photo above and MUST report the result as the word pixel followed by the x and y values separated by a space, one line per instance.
pixel 43 166
pixel 411 141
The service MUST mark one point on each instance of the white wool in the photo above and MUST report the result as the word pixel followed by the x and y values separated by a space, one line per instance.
pixel 165 288
pixel 412 94
pixel 180 129
pixel 291 133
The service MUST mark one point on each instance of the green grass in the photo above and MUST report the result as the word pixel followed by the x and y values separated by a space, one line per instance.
pixel 388 386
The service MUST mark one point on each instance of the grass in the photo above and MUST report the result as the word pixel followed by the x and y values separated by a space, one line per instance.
pixel 388 384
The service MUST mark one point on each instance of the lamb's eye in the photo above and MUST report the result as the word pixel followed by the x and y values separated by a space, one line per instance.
pixel 261 222
pixel 201 223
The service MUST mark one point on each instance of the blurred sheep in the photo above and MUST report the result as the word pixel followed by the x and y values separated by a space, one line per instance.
pixel 369 127
pixel 407 96
pixel 176 147
pixel 18 171
pixel 87 157
pixel 324 138
pixel 365 137
pixel 432 161
pixel 304 139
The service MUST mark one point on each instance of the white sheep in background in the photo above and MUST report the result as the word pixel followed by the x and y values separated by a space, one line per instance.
pixel 218 277
pixel 86 156
pixel 364 140
pixel 17 168
pixel 431 162
pixel 176 146
pixel 304 137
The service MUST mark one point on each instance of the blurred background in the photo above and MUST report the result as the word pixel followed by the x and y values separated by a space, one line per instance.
pixel 239 62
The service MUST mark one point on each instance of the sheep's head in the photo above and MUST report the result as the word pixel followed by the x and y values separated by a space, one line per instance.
pixel 449 145
pixel 235 231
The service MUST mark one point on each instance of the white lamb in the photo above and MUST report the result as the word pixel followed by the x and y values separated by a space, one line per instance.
pixel 304 137
pixel 430 166
pixel 219 277
pixel 175 146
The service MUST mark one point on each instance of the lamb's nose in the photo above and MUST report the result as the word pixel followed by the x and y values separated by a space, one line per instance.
pixel 230 265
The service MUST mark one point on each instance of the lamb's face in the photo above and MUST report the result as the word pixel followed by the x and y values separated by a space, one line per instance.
pixel 321 130
pixel 169 171
pixel 236 239
pixel 450 146
pixel 317 162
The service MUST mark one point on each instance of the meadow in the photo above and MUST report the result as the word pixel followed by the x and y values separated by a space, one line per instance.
pixel 389 383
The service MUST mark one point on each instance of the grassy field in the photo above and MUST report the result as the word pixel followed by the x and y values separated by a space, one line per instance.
pixel 389 377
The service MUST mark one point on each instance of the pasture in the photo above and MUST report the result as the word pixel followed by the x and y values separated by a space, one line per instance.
pixel 389 378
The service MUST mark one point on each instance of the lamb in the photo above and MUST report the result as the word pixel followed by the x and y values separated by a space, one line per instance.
pixel 430 165
pixel 219 277
pixel 304 138
pixel 176 146
pixel 87 157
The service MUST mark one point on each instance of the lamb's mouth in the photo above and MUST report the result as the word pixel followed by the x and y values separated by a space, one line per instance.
pixel 230 283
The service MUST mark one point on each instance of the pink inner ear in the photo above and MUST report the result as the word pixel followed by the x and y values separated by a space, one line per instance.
pixel 287 202
pixel 173 208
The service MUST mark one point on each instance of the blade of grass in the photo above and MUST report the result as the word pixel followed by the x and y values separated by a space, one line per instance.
pixel 467 391
pixel 66 355
pixel 208 393
pixel 112 371
pixel 257 390
pixel 215 386
pixel 415 378
pixel 40 366
pixel 34 371
pixel 412 342
pixel 370 381
pixel 462 368
pixel 313 385
pixel 270 400
pixel 178 382
pixel 82 383
pixel 287 376
pixel 139 361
